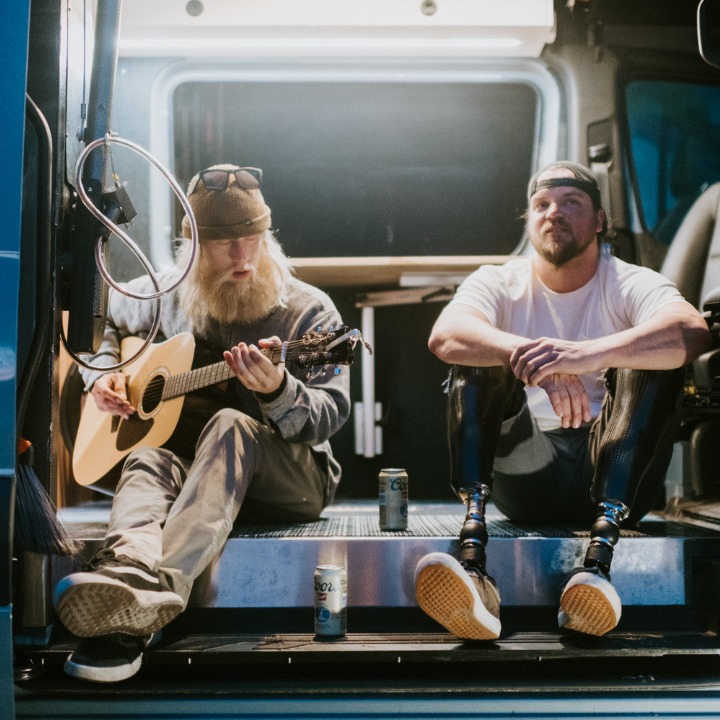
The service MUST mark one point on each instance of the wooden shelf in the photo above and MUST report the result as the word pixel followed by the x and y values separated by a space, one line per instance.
pixel 388 271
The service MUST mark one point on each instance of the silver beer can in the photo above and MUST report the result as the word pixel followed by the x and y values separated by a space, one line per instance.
pixel 330 601
pixel 393 496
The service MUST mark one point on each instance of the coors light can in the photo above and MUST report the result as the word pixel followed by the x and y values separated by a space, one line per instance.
pixel 330 601
pixel 393 495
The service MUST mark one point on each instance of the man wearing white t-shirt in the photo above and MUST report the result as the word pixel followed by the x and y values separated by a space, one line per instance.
pixel 568 369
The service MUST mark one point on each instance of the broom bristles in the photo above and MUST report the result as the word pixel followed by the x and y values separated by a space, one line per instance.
pixel 37 526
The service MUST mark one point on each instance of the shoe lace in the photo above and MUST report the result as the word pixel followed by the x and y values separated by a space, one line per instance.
pixel 477 569
pixel 130 641
pixel 107 556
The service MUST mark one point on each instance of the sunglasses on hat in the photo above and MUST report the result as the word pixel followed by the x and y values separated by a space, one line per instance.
pixel 247 178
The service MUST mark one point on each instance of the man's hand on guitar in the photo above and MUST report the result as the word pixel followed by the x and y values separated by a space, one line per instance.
pixel 253 368
pixel 110 395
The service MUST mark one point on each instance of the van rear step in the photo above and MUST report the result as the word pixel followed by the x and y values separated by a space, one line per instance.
pixel 248 629
pixel 271 566
pixel 421 662
pixel 178 647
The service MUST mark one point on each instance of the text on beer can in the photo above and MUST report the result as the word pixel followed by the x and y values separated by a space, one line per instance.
pixel 330 587
pixel 393 498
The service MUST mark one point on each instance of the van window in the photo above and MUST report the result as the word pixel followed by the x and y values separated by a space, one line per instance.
pixel 371 168
pixel 674 129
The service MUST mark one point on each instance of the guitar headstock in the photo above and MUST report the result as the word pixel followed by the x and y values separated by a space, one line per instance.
pixel 334 347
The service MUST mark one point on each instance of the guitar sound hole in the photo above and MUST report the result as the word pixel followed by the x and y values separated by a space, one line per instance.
pixel 153 394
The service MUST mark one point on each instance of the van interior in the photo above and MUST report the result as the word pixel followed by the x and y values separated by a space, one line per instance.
pixel 396 141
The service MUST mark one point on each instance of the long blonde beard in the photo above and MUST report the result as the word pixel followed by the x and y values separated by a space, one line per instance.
pixel 204 295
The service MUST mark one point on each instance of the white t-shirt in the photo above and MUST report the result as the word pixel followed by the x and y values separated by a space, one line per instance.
pixel 618 297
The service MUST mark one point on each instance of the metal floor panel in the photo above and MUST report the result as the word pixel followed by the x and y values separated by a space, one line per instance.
pixel 202 649
pixel 424 666
pixel 271 566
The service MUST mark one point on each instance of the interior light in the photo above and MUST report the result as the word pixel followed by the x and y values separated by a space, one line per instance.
pixel 194 8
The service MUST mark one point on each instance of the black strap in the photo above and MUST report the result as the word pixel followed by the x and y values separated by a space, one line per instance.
pixel 587 186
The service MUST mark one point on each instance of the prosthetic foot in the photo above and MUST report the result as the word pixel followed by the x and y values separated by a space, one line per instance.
pixel 589 603
pixel 459 594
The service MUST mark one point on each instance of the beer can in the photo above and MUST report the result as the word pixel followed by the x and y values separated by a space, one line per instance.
pixel 393 496
pixel 330 601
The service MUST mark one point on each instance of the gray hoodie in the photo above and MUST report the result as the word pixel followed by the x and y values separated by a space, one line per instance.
pixel 307 410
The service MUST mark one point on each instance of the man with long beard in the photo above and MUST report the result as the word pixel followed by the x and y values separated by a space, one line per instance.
pixel 257 444
pixel 568 366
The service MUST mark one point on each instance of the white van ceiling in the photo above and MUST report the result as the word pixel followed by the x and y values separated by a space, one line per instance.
pixel 343 28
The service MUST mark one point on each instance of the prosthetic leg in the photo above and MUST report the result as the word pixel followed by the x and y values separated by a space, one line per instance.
pixel 631 449
pixel 479 400
pixel 458 593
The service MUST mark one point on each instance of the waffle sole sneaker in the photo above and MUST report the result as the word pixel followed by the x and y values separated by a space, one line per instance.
pixel 110 658
pixel 589 604
pixel 468 607
pixel 91 604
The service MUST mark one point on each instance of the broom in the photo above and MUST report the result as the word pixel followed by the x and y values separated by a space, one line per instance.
pixel 37 527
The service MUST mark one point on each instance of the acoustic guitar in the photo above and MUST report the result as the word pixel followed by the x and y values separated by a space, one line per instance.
pixel 157 383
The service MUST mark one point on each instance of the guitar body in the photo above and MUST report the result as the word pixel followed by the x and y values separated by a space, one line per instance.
pixel 157 384
pixel 103 440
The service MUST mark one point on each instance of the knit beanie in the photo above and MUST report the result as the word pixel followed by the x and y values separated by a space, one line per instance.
pixel 584 180
pixel 230 213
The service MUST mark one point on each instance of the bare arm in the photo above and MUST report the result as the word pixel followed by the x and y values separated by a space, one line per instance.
pixel 464 336
pixel 673 337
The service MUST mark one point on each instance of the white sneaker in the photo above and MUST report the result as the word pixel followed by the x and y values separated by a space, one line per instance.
pixel 466 605
pixel 118 595
pixel 109 658
pixel 589 603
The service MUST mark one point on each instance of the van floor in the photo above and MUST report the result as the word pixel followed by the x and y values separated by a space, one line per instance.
pixel 665 654
pixel 667 574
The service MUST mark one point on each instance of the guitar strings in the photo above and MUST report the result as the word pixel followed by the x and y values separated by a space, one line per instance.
pixel 186 382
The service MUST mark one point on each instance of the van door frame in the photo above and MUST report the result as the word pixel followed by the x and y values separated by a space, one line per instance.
pixel 14 35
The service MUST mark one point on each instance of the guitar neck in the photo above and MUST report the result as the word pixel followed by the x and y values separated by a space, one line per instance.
pixel 208 375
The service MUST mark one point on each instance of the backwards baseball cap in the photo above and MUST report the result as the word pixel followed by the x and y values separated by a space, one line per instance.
pixel 227 203
pixel 583 180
